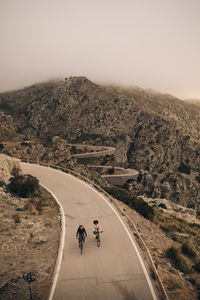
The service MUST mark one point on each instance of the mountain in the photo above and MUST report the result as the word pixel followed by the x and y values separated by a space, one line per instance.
pixel 157 134
pixel 193 101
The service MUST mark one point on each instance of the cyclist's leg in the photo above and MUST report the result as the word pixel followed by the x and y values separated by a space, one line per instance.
pixel 81 238
pixel 98 240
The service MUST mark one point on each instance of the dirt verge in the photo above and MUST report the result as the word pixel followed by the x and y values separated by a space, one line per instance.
pixel 29 243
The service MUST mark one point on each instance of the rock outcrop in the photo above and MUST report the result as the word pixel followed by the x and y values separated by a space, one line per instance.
pixel 175 186
pixel 179 211
pixel 8 167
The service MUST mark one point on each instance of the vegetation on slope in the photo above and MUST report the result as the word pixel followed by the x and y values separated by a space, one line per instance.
pixel 152 132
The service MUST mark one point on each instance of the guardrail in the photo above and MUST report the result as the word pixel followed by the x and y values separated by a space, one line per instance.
pixel 122 212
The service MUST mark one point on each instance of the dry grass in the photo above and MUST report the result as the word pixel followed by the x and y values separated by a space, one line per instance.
pixel 29 242
pixel 189 250
pixel 178 228
pixel 179 286
pixel 178 260
pixel 176 288
pixel 42 203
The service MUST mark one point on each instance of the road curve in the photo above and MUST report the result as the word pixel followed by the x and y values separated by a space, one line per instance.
pixel 113 271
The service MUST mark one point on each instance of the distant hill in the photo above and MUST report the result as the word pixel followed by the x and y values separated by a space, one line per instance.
pixel 154 133
pixel 193 101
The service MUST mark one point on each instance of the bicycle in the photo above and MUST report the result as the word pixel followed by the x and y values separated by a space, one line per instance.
pixel 97 233
pixel 81 240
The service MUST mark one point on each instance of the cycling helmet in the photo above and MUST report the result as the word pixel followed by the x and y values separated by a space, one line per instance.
pixel 96 222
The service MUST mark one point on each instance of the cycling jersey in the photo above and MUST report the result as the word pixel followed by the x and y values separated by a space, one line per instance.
pixel 97 228
pixel 81 232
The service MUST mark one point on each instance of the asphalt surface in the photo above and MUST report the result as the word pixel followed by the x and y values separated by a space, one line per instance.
pixel 112 271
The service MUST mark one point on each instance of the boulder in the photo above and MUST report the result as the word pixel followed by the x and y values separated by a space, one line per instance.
pixel 8 165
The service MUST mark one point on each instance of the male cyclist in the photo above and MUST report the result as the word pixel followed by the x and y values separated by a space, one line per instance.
pixel 81 234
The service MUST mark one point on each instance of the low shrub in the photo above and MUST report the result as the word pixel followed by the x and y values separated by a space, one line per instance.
pixel 19 209
pixel 172 254
pixel 184 168
pixel 143 209
pixel 39 204
pixel 197 266
pixel 73 150
pixel 165 228
pixel 119 194
pixel 111 171
pixel 162 205
pixel 136 203
pixel 24 186
pixel 15 172
pixel 153 274
pixel 189 250
pixel 2 183
pixel 174 236
pixel 192 281
pixel 178 260
pixel 17 218
pixel 197 178
pixel 28 206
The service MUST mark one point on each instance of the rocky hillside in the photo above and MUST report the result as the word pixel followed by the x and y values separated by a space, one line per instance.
pixel 154 133
pixel 56 152
pixel 193 101
pixel 29 239
pixel 7 128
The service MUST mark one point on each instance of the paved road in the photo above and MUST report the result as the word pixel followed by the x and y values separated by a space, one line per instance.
pixel 112 271
pixel 121 179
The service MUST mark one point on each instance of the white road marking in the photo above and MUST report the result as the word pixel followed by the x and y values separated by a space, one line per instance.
pixel 62 242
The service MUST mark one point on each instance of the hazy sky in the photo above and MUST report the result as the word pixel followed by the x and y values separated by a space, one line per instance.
pixel 149 43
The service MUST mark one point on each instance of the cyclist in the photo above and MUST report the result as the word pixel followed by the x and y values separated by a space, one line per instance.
pixel 81 233
pixel 96 228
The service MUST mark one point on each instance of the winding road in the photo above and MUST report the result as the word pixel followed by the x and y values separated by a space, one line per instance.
pixel 113 271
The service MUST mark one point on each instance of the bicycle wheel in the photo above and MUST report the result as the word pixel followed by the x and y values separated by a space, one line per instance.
pixel 98 241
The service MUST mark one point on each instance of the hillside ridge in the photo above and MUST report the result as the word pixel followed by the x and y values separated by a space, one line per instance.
pixel 156 134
